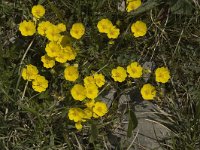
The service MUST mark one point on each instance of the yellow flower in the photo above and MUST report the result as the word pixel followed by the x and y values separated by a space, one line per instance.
pixel 139 28
pixel 78 92
pixel 78 125
pixel 53 33
pixel 104 25
pixel 91 91
pixel 148 92
pixel 90 103
pixel 27 28
pixel 61 27
pixel 62 56
pixel 77 30
pixel 87 113
pixel 71 73
pixel 100 109
pixel 162 74
pixel 52 49
pixel 30 72
pixel 133 5
pixel 48 62
pixel 95 115
pixel 89 80
pixel 66 54
pixel 113 32
pixel 119 74
pixel 39 84
pixel 99 79
pixel 134 70
pixel 38 11
pixel 75 114
pixel 43 26
pixel 70 53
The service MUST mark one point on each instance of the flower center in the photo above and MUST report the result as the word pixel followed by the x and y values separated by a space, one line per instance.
pixel 76 31
pixel 37 12
pixel 117 74
pixel 99 109
pixel 147 92
pixel 133 70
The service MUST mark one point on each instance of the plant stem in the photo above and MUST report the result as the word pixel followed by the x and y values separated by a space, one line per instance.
pixel 20 65
pixel 23 94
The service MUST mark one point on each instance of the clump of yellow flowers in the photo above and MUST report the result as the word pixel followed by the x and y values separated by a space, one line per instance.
pixel 55 52
pixel 93 109
pixel 59 50
pixel 90 89
pixel 106 26
pixel 28 28
pixel 87 93
pixel 135 71
pixel 30 73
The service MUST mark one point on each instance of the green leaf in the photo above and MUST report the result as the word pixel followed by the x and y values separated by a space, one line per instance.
pixel 150 4
pixel 94 132
pixel 132 124
pixel 183 7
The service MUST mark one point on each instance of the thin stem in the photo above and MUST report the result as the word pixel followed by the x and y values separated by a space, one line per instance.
pixel 79 145
pixel 28 48
pixel 133 141
pixel 20 65
pixel 23 94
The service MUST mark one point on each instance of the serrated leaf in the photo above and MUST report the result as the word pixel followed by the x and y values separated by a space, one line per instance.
pixel 132 124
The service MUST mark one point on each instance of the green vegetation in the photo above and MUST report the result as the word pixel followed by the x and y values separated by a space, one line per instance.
pixel 31 120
